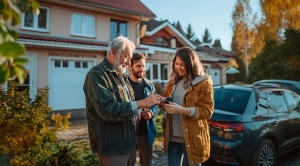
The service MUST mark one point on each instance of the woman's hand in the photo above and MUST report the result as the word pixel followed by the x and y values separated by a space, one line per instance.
pixel 173 108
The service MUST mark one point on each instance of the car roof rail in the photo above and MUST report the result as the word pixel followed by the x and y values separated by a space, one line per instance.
pixel 266 85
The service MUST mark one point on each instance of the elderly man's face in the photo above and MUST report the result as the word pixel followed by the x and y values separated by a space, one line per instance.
pixel 122 60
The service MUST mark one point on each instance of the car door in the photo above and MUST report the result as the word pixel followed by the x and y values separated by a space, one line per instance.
pixel 281 120
pixel 294 104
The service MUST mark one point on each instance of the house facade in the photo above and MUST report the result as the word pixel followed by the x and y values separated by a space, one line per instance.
pixel 69 37
pixel 162 40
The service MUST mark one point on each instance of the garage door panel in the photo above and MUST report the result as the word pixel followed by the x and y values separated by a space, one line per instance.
pixel 66 88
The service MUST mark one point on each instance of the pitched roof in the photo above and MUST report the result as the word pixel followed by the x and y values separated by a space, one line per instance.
pixel 216 51
pixel 62 41
pixel 131 6
pixel 151 24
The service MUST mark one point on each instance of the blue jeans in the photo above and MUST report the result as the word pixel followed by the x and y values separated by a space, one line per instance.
pixel 177 155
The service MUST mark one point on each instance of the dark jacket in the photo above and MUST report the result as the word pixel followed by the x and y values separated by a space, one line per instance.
pixel 111 120
pixel 151 129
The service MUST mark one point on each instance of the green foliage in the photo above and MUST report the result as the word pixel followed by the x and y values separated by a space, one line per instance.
pixel 11 52
pixel 206 38
pixel 217 43
pixel 24 126
pixel 278 60
pixel 178 26
pixel 190 34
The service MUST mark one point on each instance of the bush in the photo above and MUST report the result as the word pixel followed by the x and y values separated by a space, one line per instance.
pixel 26 135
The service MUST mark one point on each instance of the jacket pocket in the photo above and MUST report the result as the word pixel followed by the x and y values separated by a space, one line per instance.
pixel 199 136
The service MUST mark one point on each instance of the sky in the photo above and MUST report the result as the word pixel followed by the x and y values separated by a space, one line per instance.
pixel 215 15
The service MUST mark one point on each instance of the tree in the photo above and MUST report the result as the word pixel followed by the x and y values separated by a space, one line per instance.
pixel 279 60
pixel 190 34
pixel 197 42
pixel 217 43
pixel 11 60
pixel 206 38
pixel 278 15
pixel 178 26
pixel 244 32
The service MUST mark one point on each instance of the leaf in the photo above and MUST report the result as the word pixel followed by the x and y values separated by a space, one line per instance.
pixel 14 7
pixel 20 61
pixel 23 5
pixel 15 19
pixel 52 137
pixel 35 7
pixel 20 72
pixel 2 6
pixel 4 73
pixel 11 49
pixel 39 140
pixel 1 120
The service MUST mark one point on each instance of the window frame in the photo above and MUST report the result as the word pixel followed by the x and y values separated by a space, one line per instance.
pixel 119 22
pixel 159 72
pixel 35 21
pixel 83 20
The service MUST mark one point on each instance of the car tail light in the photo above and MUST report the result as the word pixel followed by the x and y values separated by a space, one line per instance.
pixel 225 126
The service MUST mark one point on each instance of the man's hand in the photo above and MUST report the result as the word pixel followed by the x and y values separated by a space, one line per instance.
pixel 146 114
pixel 149 101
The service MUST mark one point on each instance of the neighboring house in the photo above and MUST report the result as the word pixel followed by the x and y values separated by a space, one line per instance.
pixel 216 59
pixel 71 36
pixel 162 40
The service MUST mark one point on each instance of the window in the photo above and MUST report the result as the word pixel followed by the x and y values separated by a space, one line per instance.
pixel 231 100
pixel 118 28
pixel 277 103
pixel 83 25
pixel 35 22
pixel 157 72
pixel 161 41
pixel 292 99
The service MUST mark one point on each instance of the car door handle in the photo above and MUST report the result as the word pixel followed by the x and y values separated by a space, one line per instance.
pixel 275 123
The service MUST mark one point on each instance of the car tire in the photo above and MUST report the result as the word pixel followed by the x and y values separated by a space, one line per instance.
pixel 265 154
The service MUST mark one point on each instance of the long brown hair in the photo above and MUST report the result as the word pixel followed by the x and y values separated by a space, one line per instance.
pixel 192 64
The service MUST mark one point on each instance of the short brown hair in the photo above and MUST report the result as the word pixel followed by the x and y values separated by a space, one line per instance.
pixel 136 57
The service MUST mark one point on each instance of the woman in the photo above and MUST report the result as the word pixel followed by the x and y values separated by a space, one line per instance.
pixel 186 133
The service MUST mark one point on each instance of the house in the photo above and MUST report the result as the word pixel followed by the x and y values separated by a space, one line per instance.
pixel 69 37
pixel 162 40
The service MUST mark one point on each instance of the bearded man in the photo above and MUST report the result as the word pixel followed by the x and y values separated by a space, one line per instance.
pixel 110 106
pixel 142 87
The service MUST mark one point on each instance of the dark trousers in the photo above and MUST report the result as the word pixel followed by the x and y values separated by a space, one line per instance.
pixel 127 159
pixel 145 151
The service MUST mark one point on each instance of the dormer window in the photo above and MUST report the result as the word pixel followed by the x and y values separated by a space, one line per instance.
pixel 161 41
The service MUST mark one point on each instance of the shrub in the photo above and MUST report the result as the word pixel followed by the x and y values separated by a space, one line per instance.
pixel 24 128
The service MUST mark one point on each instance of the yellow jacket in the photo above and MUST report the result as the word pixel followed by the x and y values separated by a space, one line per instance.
pixel 196 132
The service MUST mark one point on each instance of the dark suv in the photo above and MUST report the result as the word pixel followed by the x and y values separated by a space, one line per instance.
pixel 252 124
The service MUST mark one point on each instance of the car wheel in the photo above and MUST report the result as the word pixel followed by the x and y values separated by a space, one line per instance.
pixel 265 154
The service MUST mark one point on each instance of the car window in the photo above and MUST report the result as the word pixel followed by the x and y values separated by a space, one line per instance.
pixel 292 99
pixel 231 100
pixel 276 102
pixel 262 104
pixel 291 87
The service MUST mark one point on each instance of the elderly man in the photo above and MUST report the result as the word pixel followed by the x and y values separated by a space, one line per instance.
pixel 111 111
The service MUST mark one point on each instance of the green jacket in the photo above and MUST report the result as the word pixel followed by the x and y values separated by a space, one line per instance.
pixel 111 120
pixel 196 130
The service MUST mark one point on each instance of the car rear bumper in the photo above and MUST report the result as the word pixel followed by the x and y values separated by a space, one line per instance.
pixel 235 153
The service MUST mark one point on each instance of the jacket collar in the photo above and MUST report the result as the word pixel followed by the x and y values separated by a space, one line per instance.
pixel 199 79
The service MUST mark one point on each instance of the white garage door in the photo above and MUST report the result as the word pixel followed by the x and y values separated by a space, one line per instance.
pixel 66 83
